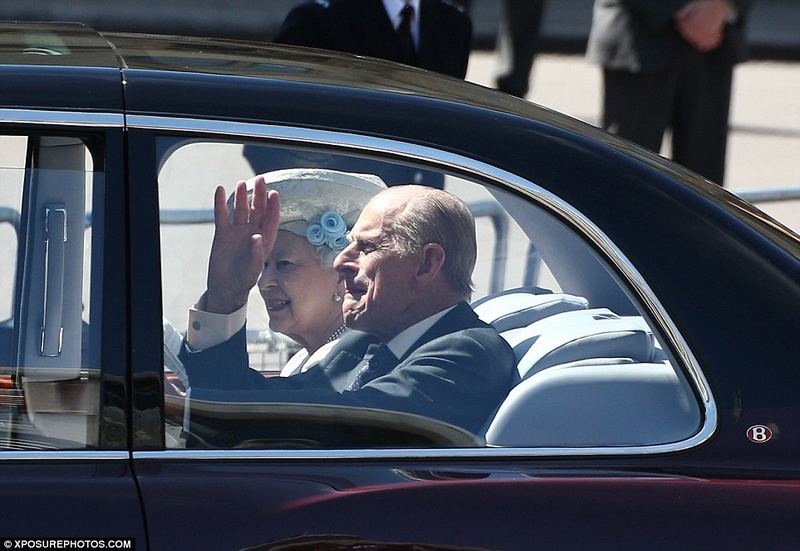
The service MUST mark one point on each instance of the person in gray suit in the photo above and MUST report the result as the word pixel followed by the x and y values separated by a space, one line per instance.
pixel 669 64
pixel 414 345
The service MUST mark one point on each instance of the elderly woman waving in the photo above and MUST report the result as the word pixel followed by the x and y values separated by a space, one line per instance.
pixel 282 236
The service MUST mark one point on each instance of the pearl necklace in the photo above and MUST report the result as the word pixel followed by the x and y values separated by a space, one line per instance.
pixel 336 334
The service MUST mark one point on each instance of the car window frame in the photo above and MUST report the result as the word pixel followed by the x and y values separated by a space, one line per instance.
pixel 626 274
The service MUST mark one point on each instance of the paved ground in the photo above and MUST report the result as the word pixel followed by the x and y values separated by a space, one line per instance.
pixel 764 145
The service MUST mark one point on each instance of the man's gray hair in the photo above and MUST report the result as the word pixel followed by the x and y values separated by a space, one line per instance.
pixel 435 216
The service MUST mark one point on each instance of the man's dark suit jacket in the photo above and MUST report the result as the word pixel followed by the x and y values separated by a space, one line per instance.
pixel 363 27
pixel 459 372
pixel 640 36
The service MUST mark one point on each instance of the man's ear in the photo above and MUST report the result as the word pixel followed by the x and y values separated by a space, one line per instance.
pixel 431 261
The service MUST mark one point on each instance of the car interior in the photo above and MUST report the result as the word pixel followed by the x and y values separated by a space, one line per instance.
pixel 593 371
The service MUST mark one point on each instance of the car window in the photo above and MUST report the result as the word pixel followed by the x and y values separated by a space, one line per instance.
pixel 548 350
pixel 49 385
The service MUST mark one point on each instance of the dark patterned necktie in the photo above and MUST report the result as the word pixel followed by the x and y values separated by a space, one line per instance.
pixel 407 50
pixel 381 362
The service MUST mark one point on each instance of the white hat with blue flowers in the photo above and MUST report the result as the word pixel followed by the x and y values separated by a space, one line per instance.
pixel 321 205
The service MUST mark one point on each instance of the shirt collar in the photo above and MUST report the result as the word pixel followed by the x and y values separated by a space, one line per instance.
pixel 400 344
pixel 393 8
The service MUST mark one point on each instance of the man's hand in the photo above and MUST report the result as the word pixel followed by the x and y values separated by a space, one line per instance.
pixel 702 23
pixel 240 245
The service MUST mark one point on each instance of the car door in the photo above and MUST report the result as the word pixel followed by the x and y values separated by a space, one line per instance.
pixel 583 452
pixel 65 469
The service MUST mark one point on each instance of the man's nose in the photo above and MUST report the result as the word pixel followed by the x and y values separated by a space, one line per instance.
pixel 346 261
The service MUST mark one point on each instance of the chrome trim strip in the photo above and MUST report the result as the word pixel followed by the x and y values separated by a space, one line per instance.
pixel 403 453
pixel 464 165
pixel 63 118
pixel 64 455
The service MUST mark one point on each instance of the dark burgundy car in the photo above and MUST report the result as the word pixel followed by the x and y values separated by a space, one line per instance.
pixel 654 317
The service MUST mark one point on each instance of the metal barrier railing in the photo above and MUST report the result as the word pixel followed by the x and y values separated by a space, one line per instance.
pixel 499 219
pixel 481 209
pixel 11 216
pixel 773 195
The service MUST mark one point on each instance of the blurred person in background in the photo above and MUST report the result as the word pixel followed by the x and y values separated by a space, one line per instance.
pixel 431 34
pixel 669 64
pixel 518 42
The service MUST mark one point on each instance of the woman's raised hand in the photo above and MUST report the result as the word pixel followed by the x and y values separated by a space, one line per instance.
pixel 241 244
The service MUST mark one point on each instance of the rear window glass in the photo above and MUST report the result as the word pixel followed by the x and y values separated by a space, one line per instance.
pixel 392 305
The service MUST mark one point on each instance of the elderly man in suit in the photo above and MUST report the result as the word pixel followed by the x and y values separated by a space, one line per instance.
pixel 414 344
pixel 430 34
pixel 669 64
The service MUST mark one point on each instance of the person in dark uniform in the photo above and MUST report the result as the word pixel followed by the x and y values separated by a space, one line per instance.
pixel 430 34
pixel 669 64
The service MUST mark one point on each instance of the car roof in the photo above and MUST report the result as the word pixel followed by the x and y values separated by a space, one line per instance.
pixel 57 66
pixel 66 53
pixel 147 74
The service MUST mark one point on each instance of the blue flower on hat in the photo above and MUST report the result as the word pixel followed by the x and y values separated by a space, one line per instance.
pixel 333 224
pixel 315 234
pixel 331 230
pixel 337 243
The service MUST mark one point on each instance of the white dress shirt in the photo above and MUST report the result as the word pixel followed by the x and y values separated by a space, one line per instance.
pixel 393 9
pixel 207 329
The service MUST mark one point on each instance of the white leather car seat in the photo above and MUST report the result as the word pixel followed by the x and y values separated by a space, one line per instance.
pixel 589 377
pixel 520 307
pixel 546 329
pixel 583 405
pixel 575 336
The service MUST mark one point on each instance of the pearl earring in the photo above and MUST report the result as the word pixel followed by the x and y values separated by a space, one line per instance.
pixel 337 297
